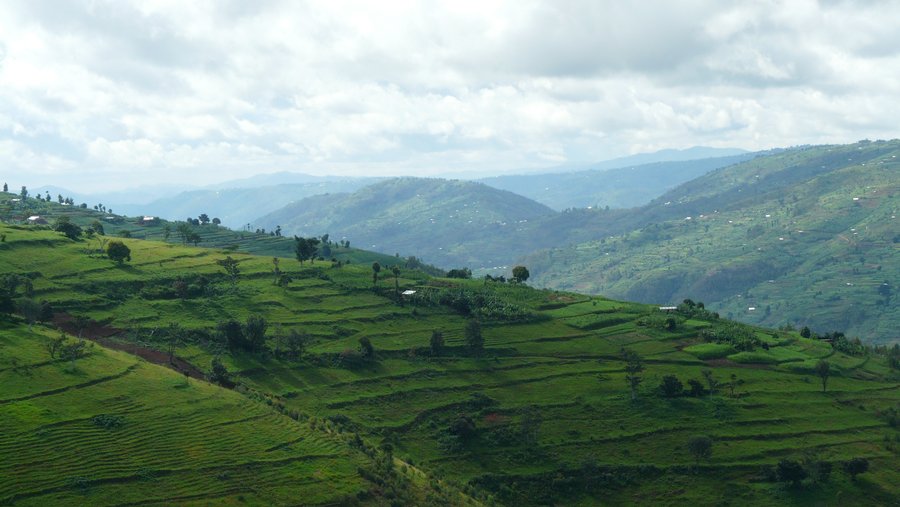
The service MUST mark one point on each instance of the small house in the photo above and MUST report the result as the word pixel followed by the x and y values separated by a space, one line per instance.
pixel 668 308
pixel 37 220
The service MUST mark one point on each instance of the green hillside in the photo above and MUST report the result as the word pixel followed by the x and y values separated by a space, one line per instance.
pixel 541 413
pixel 208 235
pixel 624 187
pixel 447 222
pixel 807 237
pixel 239 206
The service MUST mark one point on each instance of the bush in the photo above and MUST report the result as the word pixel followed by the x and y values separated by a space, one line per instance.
pixel 671 387
pixel 738 335
pixel 108 421
pixel 855 467
pixel 791 471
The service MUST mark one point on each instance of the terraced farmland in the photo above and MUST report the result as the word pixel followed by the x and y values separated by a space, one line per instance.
pixel 541 414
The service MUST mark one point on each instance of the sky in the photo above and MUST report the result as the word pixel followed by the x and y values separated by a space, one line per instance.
pixel 99 95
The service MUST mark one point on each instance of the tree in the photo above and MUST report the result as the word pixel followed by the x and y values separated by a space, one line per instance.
pixel 23 194
pixel 5 187
pixel 823 370
pixel 805 332
pixel 231 269
pixel 218 374
pixel 184 230
pixel 437 343
pixel 366 349
pixel 700 447
pixel 276 270
pixel 530 425
pixel 30 309
pixel 204 218
pixel 54 345
pixel 232 334
pixel 376 268
pixel 80 323
pixel 855 467
pixel 46 314
pixel 296 343
pixel 791 471
pixel 167 231
pixel 464 273
pixel 216 221
pixel 735 382
pixel 255 333
pixel 97 227
pixel 633 369
pixel 671 387
pixel 463 427
pixel 697 389
pixel 65 226
pixel 305 249
pixel 520 274
pixel 118 251
pixel 396 272
pixel 174 336
pixel 474 340
pixel 710 381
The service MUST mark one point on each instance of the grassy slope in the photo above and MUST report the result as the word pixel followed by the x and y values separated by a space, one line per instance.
pixel 212 236
pixel 181 441
pixel 806 237
pixel 567 367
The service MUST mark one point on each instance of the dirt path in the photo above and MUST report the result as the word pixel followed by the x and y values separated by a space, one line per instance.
pixel 103 334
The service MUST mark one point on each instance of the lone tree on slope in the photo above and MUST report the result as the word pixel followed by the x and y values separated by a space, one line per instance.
pixel 633 369
pixel 474 339
pixel 700 447
pixel 520 274
pixel 231 269
pixel 118 252
pixel 376 268
pixel 823 370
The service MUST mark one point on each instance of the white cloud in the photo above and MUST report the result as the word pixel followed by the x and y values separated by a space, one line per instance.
pixel 194 91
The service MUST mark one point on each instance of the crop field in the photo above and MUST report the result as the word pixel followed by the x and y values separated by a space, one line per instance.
pixel 542 413
pixel 113 429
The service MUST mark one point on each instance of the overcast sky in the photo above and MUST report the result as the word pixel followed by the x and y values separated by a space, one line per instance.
pixel 99 94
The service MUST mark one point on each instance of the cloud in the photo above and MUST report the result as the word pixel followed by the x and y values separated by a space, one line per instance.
pixel 197 91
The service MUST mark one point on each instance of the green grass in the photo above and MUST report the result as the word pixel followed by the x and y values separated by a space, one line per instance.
pixel 564 364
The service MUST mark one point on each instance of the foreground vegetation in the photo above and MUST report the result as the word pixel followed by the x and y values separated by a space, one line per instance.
pixel 335 388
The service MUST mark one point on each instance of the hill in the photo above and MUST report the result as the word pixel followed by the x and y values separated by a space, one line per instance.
pixel 448 222
pixel 806 237
pixel 239 206
pixel 531 407
pixel 623 187
pixel 257 242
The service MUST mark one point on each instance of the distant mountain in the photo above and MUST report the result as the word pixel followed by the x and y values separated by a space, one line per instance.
pixel 624 187
pixel 808 236
pixel 448 222
pixel 277 178
pixel 239 206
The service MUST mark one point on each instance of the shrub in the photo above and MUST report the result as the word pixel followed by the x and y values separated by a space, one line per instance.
pixel 108 421
pixel 791 471
pixel 671 387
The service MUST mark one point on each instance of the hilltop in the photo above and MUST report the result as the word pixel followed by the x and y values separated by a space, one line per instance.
pixel 623 187
pixel 240 205
pixel 807 237
pixel 448 222
pixel 352 393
